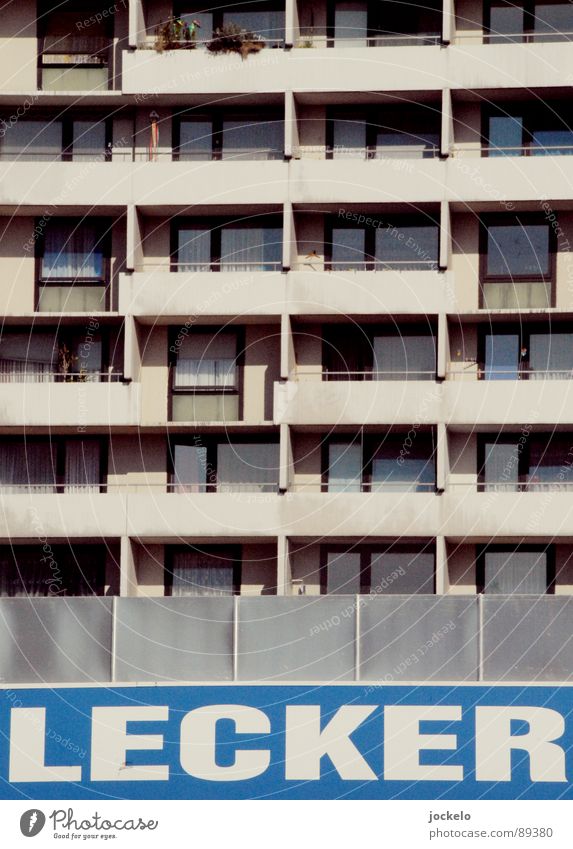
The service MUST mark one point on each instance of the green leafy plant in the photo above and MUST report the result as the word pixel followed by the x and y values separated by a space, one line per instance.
pixel 231 38
pixel 175 34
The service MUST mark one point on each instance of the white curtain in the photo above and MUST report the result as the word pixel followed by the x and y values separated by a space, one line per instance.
pixel 28 358
pixel 72 251
pixel 207 361
pixel 404 357
pixel 551 356
pixel 516 572
pixel 501 470
pixel 343 576
pixel 27 467
pixel 200 574
pixel 194 251
pixel 253 139
pixel 242 248
pixel 345 467
pixel 247 467
pixel 82 465
pixel 189 468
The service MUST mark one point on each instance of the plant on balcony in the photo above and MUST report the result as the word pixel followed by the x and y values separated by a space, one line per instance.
pixel 175 34
pixel 231 38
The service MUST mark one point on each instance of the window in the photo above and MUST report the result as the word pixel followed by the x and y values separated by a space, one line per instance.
pixel 266 19
pixel 517 267
pixel 526 352
pixel 380 464
pixel 228 136
pixel 27 570
pixel 516 570
pixel 528 21
pixel 217 246
pixel 534 462
pixel 408 244
pixel 73 265
pixel 537 130
pixel 47 466
pixel 359 24
pixel 381 133
pixel 58 355
pixel 378 569
pixel 55 139
pixel 70 59
pixel 379 353
pixel 235 465
pixel 211 571
pixel 206 376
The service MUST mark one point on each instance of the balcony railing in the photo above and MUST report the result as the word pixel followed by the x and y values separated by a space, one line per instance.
pixel 515 38
pixel 480 372
pixel 328 374
pixel 27 371
pixel 316 263
pixel 352 487
pixel 221 266
pixel 321 38
pixel 378 153
pixel 491 151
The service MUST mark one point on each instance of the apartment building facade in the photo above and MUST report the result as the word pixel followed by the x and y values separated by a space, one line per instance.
pixel 287 347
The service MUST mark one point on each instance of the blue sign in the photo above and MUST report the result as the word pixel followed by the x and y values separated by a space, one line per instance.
pixel 287 742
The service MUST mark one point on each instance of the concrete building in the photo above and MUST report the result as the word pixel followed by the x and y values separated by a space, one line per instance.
pixel 287 347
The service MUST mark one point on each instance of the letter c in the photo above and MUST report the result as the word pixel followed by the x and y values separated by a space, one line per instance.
pixel 199 741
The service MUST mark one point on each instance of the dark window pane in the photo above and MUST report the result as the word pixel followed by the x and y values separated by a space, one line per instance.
pixel 251 248
pixel 518 250
pixel 505 131
pixel 551 355
pixel 344 467
pixel 400 468
pixel 349 139
pixel 189 468
pixel 343 572
pixel 407 247
pixel 502 355
pixel 519 571
pixel 348 247
pixel 351 24
pixel 196 140
pixel 553 22
pixel 506 23
pixel 194 249
pixel 72 251
pixel 558 142
pixel 88 140
pixel 399 572
pixel 32 140
pixel 247 467
pixel 404 357
pixel 501 467
pixel 253 139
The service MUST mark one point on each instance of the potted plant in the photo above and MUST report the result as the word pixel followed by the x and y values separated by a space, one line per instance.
pixel 176 34
pixel 231 38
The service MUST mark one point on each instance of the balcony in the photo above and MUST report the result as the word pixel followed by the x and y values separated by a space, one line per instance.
pixel 523 638
pixel 499 402
pixel 357 402
pixel 76 404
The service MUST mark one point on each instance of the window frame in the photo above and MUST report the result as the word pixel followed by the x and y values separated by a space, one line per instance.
pixel 332 222
pixel 70 556
pixel 215 225
pixel 238 389
pixel 370 115
pixel 527 219
pixel 365 351
pixel 235 555
pixel 501 548
pixel 529 113
pixel 45 10
pixel 59 445
pixel 104 225
pixel 528 34
pixel 366 551
pixel 217 117
pixel 370 443
pixel 210 443
pixel 524 331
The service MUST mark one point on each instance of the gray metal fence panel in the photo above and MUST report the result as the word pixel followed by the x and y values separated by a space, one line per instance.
pixel 174 639
pixel 55 640
pixel 303 638
pixel 419 638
